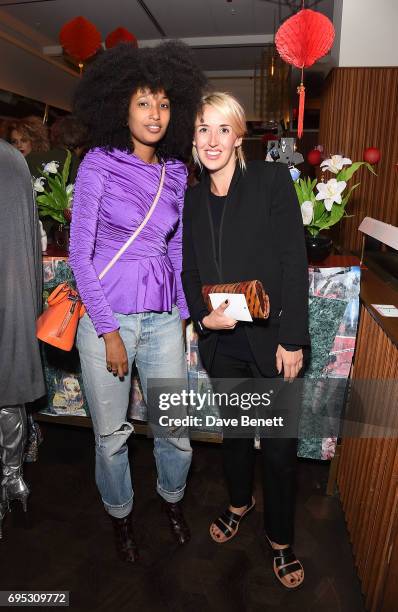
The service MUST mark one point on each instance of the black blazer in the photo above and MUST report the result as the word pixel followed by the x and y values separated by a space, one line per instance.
pixel 261 237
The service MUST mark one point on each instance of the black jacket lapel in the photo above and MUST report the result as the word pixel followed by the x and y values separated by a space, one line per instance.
pixel 205 230
pixel 205 204
pixel 227 212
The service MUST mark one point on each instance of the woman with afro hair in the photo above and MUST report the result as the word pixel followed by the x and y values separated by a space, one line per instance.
pixel 139 107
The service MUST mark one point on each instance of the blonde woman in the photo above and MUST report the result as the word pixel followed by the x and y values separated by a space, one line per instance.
pixel 242 222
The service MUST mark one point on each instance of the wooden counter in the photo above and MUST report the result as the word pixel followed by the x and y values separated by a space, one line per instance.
pixel 368 468
pixel 376 291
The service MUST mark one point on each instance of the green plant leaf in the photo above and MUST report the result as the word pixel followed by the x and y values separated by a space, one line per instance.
pixel 335 215
pixel 298 188
pixel 42 197
pixel 65 169
pixel 347 173
pixel 309 185
pixel 312 229
pixel 348 195
pixel 46 199
pixel 319 211
pixel 50 201
pixel 57 216
pixel 299 193
pixel 58 192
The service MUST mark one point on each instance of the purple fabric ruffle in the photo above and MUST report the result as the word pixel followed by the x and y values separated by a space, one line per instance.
pixel 113 193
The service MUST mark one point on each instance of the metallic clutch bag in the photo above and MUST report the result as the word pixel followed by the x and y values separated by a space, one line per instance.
pixel 256 298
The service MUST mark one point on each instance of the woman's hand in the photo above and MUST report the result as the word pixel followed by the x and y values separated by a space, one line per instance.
pixel 116 354
pixel 290 361
pixel 218 320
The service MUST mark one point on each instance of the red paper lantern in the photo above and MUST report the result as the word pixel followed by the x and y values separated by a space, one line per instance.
pixel 301 40
pixel 314 157
pixel 304 38
pixel 80 39
pixel 372 155
pixel 120 35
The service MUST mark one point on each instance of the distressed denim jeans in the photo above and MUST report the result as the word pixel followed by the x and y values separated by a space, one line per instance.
pixel 155 342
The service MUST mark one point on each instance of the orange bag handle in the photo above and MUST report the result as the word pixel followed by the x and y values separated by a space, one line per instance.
pixel 58 295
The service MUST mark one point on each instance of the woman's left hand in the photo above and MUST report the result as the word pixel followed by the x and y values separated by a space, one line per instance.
pixel 290 361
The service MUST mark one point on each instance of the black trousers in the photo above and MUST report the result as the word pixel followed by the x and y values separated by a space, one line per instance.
pixel 278 456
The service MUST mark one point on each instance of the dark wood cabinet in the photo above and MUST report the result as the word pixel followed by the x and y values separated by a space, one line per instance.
pixel 368 468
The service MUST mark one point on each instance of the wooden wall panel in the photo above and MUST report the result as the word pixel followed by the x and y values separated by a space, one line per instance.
pixel 368 469
pixel 359 109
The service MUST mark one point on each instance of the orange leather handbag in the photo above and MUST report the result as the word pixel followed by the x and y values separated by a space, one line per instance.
pixel 256 298
pixel 57 325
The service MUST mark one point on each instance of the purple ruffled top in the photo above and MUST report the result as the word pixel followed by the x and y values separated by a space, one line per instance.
pixel 113 193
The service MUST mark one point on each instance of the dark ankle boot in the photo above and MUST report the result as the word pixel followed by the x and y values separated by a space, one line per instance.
pixel 13 439
pixel 126 547
pixel 177 522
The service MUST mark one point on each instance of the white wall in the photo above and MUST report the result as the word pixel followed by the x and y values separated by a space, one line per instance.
pixel 369 33
pixel 337 17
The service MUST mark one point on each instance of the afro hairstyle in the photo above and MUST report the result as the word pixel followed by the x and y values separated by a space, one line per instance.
pixel 103 95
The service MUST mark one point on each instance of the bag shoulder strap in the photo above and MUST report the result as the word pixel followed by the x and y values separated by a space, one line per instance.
pixel 139 229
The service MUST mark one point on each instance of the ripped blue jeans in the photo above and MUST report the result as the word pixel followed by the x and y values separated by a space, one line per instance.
pixel 155 342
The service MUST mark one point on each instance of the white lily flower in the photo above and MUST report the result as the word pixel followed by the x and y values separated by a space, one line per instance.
pixel 69 188
pixel 38 185
pixel 335 163
pixel 307 212
pixel 51 167
pixel 330 192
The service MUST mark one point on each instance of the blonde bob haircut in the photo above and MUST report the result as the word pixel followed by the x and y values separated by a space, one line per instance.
pixel 233 112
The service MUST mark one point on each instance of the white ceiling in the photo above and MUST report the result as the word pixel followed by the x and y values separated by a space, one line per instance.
pixel 177 18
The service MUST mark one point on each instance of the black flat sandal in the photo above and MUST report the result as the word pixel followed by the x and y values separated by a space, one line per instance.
pixel 286 557
pixel 228 523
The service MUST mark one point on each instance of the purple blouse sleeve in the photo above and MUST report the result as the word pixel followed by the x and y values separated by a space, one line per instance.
pixel 88 191
pixel 175 255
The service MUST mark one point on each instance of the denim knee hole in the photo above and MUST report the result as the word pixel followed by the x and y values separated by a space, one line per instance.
pixel 125 429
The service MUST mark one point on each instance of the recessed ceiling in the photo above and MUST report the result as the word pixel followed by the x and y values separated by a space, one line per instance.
pixel 176 18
